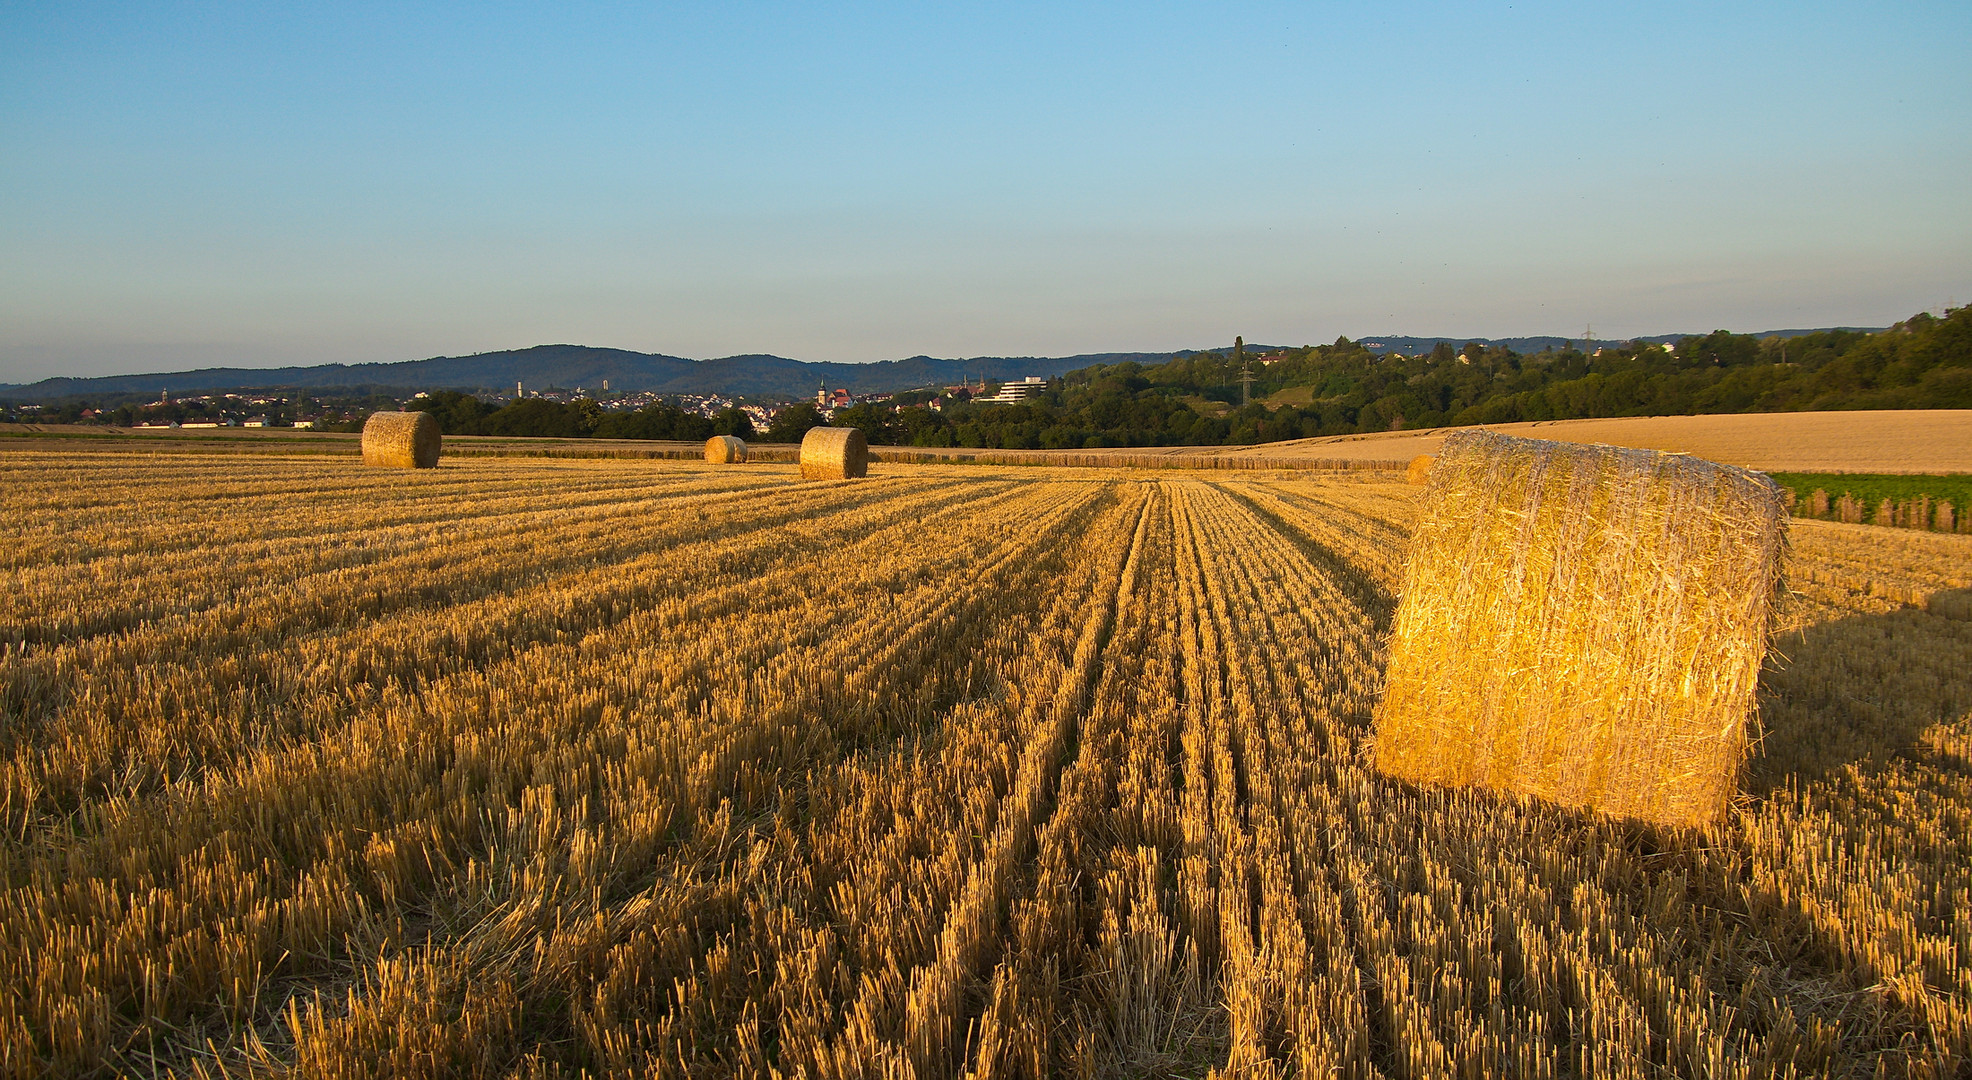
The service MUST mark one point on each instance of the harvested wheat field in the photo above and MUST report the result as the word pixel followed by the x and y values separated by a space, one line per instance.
pixel 529 767
pixel 1865 441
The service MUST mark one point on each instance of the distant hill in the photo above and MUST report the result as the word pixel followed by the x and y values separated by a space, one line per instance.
pixel 572 366
pixel 560 365
pixel 585 366
pixel 1414 346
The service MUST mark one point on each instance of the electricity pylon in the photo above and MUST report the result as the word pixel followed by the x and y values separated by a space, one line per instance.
pixel 1245 372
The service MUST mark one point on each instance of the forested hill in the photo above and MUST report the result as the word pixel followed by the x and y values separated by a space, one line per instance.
pixel 572 366
pixel 1413 346
pixel 1345 388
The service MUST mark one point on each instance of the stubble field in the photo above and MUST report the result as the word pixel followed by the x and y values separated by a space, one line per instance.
pixel 531 767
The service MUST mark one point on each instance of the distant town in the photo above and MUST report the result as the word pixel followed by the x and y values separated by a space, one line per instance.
pixel 329 412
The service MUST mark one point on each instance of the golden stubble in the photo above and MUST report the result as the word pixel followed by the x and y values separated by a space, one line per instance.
pixel 527 766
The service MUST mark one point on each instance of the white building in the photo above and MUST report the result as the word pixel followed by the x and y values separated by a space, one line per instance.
pixel 1013 392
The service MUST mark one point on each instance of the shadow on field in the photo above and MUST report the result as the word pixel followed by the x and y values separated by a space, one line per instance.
pixel 1862 690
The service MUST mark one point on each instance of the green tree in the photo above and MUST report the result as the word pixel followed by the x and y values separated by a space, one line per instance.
pixel 456 413
pixel 660 422
pixel 733 421
pixel 876 424
pixel 924 427
pixel 793 422
pixel 543 418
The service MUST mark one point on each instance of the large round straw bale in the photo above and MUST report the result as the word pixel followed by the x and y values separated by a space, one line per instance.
pixel 725 450
pixel 834 453
pixel 1420 471
pixel 1585 624
pixel 401 440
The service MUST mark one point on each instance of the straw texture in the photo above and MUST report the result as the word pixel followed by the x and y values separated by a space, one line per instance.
pixel 830 453
pixel 725 450
pixel 401 440
pixel 1585 624
pixel 1419 472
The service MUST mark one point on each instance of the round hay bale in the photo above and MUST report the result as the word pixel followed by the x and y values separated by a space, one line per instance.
pixel 1420 471
pixel 401 440
pixel 834 453
pixel 1584 624
pixel 725 450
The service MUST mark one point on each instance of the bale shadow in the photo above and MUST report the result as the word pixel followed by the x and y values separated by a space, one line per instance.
pixel 1862 691
pixel 1861 694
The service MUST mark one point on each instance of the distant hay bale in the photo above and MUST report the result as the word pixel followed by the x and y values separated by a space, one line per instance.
pixel 725 450
pixel 1585 624
pixel 833 453
pixel 401 440
pixel 1420 471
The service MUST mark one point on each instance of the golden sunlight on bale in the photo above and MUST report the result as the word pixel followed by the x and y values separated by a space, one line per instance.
pixel 830 453
pixel 1583 623
pixel 1420 471
pixel 725 450
pixel 401 440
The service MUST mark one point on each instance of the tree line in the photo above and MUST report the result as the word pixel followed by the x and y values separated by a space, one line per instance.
pixel 1341 388
pixel 463 414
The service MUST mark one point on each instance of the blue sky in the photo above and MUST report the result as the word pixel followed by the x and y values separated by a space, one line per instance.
pixel 265 184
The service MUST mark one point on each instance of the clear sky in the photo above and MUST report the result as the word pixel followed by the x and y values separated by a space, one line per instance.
pixel 265 183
